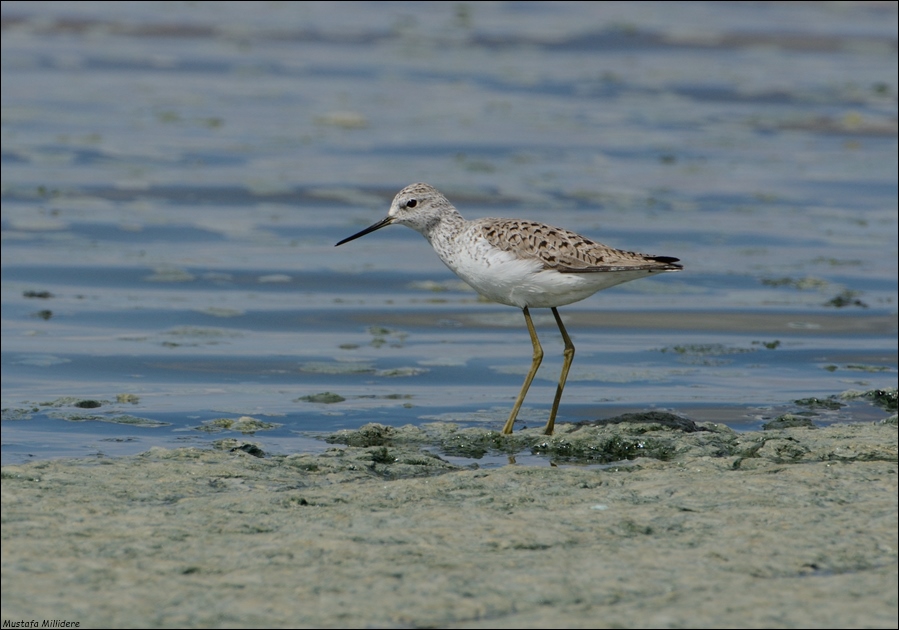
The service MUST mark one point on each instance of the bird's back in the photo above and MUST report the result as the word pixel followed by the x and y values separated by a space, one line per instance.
pixel 563 250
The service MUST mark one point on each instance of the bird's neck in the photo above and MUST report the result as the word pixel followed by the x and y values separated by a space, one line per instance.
pixel 442 233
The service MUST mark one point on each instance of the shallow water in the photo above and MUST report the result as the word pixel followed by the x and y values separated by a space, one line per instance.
pixel 173 185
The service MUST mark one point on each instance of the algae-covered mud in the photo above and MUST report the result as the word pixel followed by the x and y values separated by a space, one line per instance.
pixel 700 527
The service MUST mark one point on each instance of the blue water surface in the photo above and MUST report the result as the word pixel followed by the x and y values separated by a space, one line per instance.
pixel 174 182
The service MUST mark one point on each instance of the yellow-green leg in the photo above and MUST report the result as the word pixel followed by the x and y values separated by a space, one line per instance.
pixel 535 363
pixel 568 353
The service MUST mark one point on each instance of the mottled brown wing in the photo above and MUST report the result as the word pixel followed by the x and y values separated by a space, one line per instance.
pixel 565 251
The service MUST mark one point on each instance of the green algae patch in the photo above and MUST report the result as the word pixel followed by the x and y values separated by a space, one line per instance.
pixel 887 399
pixel 244 424
pixel 605 449
pixel 73 401
pixel 136 421
pixel 323 397
pixel 651 435
pixel 788 421
pixel 831 403
pixel 382 462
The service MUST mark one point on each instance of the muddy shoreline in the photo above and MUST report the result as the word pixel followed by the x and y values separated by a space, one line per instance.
pixel 792 527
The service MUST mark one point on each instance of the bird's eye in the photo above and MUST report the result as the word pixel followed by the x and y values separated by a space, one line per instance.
pixel 411 203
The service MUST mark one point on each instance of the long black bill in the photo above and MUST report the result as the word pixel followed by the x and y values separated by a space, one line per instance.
pixel 371 228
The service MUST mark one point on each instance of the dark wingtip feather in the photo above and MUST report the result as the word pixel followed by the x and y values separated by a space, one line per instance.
pixel 668 260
